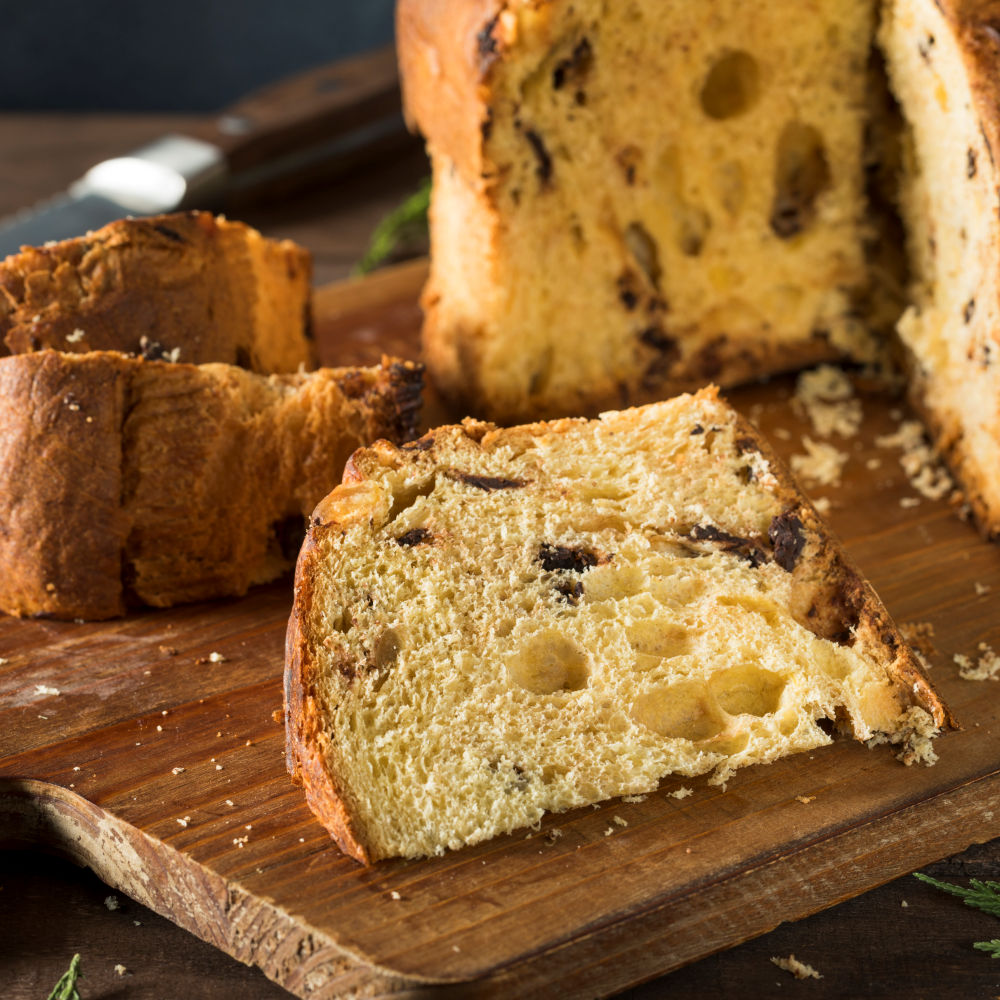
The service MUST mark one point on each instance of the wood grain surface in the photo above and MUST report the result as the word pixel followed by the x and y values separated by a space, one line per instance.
pixel 147 748
pixel 925 563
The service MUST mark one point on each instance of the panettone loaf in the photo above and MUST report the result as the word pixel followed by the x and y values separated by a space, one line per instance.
pixel 489 624
pixel 944 63
pixel 634 199
pixel 125 481
pixel 183 287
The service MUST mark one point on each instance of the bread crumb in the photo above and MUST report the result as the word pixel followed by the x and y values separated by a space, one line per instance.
pixel 920 461
pixel 798 969
pixel 137 923
pixel 75 337
pixel 822 505
pixel 184 822
pixel 159 729
pixel 680 793
pixel 168 651
pixel 620 821
pixel 914 737
pixel 805 799
pixel 218 767
pixel 240 841
pixel 111 902
pixel 211 658
pixel 610 830
pixel 827 397
pixel 986 667
pixel 45 689
pixel 229 802
pixel 633 798
pixel 177 770
pixel 782 433
pixel 981 588
pixel 908 502
pixel 904 904
pixel 120 969
pixel 821 464
pixel 394 895
pixel 553 835
pixel 873 463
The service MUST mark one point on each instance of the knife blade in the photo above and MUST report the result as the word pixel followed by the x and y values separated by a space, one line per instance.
pixel 276 141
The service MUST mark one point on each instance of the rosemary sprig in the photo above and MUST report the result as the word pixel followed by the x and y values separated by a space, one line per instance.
pixel 983 896
pixel 66 989
pixel 407 223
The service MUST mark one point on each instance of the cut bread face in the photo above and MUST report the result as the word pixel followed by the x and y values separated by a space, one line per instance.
pixel 943 59
pixel 492 624
pixel 635 199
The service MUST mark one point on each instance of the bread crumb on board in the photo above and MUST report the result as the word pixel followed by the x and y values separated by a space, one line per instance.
pixel 822 463
pixel 986 667
pixel 798 969
pixel 805 799
pixel 920 461
pixel 111 902
pixel 914 738
pixel 826 396
pixel 680 793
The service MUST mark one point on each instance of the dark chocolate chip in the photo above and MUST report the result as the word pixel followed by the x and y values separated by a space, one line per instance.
pixel 970 308
pixel 558 557
pixel 745 444
pixel 489 483
pixel 571 590
pixel 697 429
pixel 746 548
pixel 543 169
pixel 786 535
pixel 413 537
pixel 486 43
pixel 574 67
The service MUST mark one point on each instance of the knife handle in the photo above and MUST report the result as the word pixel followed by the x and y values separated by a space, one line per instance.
pixel 283 123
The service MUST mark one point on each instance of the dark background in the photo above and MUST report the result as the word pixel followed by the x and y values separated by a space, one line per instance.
pixel 173 55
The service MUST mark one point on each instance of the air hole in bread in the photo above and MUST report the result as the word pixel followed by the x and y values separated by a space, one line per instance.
pixel 658 638
pixel 548 662
pixel 684 710
pixel 406 496
pixel 732 86
pixel 730 182
pixel 747 690
pixel 643 248
pixel 801 175
pixel 693 224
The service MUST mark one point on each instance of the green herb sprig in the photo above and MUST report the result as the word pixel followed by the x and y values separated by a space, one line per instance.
pixel 405 224
pixel 66 989
pixel 982 895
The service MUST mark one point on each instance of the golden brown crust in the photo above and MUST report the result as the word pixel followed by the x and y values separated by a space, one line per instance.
pixel 186 286
pixel 125 481
pixel 445 49
pixel 305 733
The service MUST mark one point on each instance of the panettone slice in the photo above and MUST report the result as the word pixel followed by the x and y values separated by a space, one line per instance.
pixel 490 624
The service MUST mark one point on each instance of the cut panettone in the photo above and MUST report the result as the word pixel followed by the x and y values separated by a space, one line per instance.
pixel 490 624
pixel 944 58
pixel 634 199
pixel 185 287
pixel 126 482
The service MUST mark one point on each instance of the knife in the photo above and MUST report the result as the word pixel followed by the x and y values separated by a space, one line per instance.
pixel 272 143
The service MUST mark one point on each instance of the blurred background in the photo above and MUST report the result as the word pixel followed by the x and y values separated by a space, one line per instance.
pixel 186 55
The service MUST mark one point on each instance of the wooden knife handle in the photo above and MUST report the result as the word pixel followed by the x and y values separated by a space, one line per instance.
pixel 307 111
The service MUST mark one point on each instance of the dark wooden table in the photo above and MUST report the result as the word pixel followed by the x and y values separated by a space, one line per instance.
pixel 902 940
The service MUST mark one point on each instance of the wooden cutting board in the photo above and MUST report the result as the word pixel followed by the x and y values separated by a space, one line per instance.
pixel 128 747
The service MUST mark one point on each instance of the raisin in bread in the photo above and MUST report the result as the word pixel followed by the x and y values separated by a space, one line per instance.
pixel 187 286
pixel 944 61
pixel 489 624
pixel 634 199
pixel 125 481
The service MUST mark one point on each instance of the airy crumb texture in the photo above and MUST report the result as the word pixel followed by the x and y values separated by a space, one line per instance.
pixel 722 232
pixel 798 969
pixel 491 624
